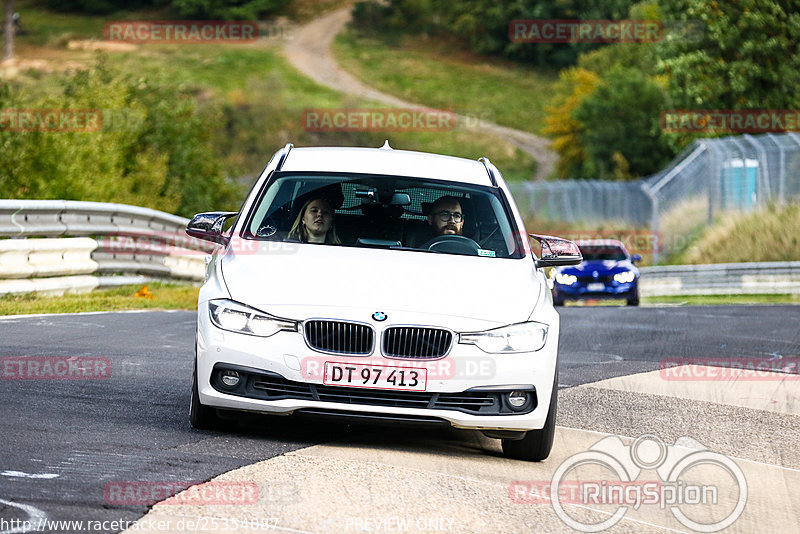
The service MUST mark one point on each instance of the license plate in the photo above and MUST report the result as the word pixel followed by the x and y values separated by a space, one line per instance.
pixel 596 286
pixel 375 376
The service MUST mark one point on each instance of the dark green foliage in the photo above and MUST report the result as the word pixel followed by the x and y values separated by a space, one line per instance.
pixel 621 118
pixel 748 55
pixel 101 7
pixel 483 24
pixel 155 147
pixel 227 9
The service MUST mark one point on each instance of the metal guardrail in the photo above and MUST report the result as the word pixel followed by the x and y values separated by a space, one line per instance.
pixel 721 279
pixel 68 246
pixel 58 246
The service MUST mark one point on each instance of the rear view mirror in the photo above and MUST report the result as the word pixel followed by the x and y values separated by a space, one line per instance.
pixel 210 226
pixel 557 251
pixel 400 199
pixel 636 258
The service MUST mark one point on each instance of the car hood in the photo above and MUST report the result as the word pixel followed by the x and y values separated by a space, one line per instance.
pixel 347 282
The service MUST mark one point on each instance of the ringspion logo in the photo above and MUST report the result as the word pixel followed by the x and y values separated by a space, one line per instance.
pixel 704 490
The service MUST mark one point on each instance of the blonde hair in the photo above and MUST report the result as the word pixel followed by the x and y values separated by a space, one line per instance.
pixel 300 232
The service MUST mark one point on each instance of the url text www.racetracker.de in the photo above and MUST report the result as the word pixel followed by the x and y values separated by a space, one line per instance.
pixel 174 524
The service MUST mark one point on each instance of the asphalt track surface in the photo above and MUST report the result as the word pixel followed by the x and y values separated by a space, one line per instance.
pixel 63 441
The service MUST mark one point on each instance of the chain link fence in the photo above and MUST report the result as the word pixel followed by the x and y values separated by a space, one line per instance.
pixel 711 176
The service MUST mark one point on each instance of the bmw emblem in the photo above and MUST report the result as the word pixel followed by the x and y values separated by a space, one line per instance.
pixel 379 316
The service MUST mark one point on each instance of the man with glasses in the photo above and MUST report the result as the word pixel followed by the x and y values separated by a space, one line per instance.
pixel 446 216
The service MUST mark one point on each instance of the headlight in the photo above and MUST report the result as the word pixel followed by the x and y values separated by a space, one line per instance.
pixel 230 315
pixel 566 279
pixel 522 337
pixel 624 277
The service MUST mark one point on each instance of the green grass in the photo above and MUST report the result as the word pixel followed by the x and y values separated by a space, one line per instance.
pixel 164 297
pixel 440 75
pixel 698 300
pixel 769 233
pixel 264 95
pixel 719 300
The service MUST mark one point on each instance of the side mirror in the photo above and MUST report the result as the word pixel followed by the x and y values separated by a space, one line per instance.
pixel 210 225
pixel 636 258
pixel 557 251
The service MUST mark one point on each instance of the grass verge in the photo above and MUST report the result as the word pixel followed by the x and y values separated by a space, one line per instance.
pixel 164 297
pixel 433 73
pixel 259 97
pixel 698 300
pixel 720 300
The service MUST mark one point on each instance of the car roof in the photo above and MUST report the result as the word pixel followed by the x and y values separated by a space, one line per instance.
pixel 386 161
pixel 600 242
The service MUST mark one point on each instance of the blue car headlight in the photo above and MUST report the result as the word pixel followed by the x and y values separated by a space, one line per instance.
pixel 625 277
pixel 520 337
pixel 236 317
pixel 566 279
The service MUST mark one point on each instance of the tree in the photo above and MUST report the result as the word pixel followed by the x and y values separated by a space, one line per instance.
pixel 620 126
pixel 574 85
pixel 748 55
pixel 8 31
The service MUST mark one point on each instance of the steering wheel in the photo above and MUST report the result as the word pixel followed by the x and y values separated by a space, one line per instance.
pixel 453 244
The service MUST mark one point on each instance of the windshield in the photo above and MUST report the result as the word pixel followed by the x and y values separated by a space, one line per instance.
pixel 369 211
pixel 602 253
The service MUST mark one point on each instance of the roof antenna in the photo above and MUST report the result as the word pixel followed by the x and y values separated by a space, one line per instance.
pixel 386 146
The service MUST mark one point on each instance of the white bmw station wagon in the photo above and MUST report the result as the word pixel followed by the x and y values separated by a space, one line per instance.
pixel 380 285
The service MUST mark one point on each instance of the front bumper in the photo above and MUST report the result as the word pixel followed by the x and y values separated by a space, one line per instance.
pixel 610 290
pixel 465 378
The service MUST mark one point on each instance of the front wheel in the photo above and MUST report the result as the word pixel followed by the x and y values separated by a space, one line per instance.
pixel 633 299
pixel 537 444
pixel 201 417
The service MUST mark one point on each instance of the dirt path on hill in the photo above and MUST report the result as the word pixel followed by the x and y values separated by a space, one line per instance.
pixel 310 52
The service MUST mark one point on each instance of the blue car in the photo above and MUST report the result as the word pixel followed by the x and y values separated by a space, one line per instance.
pixel 607 272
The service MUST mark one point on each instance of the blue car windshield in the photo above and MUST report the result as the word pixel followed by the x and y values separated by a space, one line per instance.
pixel 603 253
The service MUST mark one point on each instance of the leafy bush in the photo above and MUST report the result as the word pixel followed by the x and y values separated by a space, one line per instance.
pixel 155 147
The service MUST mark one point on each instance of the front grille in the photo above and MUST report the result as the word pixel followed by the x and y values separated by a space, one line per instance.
pixel 271 386
pixel 590 279
pixel 416 342
pixel 339 337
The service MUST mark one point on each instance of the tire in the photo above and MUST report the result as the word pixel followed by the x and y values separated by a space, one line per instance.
pixel 633 300
pixel 201 417
pixel 537 444
pixel 558 301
